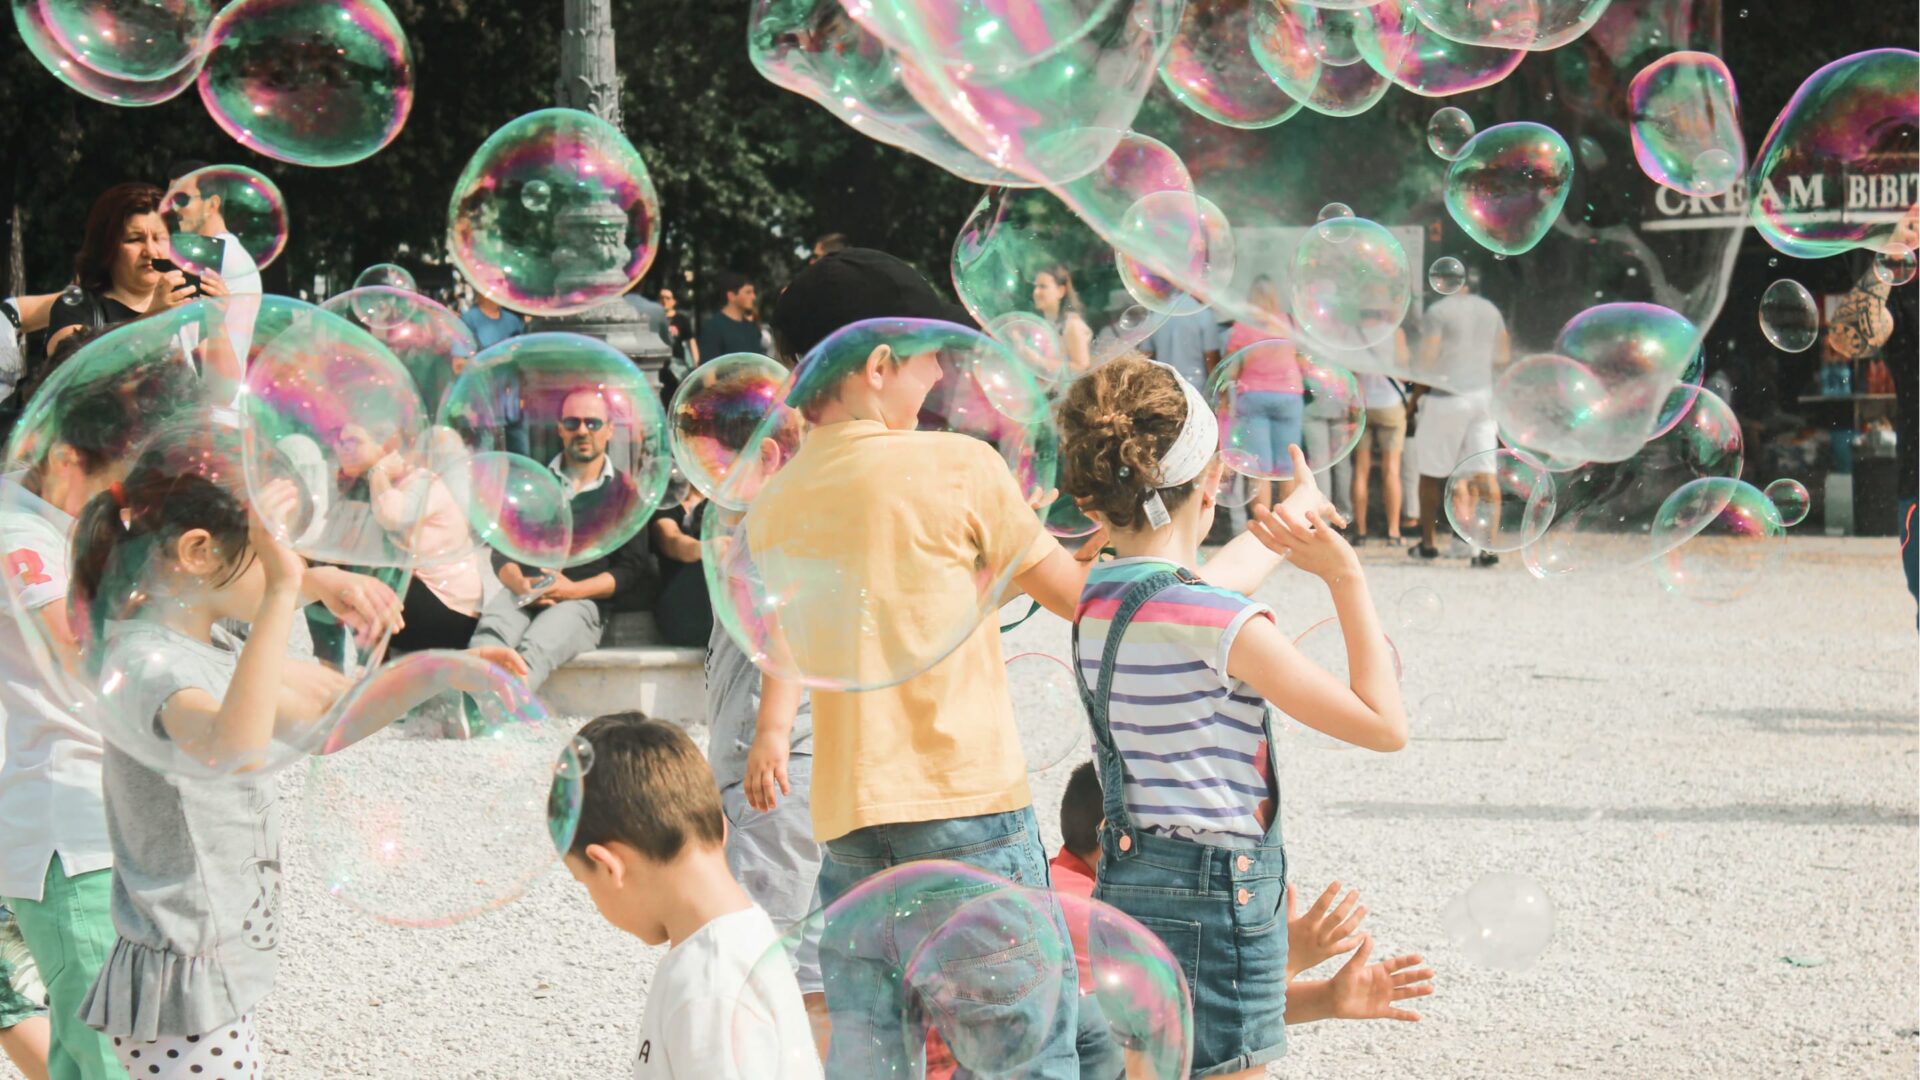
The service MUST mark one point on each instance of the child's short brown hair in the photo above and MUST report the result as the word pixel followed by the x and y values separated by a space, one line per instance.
pixel 1116 422
pixel 648 787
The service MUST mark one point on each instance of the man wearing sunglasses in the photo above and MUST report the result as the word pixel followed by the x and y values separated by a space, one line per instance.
pixel 550 616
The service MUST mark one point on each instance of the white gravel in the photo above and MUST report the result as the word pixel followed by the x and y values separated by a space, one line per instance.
pixel 1721 801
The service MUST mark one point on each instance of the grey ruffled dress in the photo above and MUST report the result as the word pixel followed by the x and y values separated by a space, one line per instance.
pixel 196 885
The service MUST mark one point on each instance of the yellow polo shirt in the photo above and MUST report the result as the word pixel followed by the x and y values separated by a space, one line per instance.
pixel 880 546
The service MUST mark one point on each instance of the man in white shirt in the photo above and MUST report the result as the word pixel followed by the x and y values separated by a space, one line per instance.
pixel 198 204
pixel 1464 349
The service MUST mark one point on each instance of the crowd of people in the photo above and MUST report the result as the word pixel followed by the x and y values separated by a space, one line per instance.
pixel 139 935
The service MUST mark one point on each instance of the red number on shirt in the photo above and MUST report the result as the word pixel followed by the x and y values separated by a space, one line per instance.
pixel 26 566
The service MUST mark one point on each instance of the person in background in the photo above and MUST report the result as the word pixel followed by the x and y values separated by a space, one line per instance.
pixel 25 1033
pixel 1191 343
pixel 1466 346
pixel 203 212
pixel 827 245
pixel 441 609
pixel 1055 298
pixel 653 312
pixel 1271 394
pixel 682 612
pixel 25 315
pixel 732 329
pixel 491 324
pixel 115 279
pixel 1386 403
pixel 679 335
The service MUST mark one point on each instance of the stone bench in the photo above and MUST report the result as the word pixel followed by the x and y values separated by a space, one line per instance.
pixel 632 670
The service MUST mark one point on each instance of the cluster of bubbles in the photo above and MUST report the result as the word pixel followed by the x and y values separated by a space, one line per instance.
pixel 931 952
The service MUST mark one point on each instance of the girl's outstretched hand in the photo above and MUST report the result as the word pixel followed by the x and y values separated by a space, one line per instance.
pixel 1307 539
pixel 1306 495
pixel 1363 991
pixel 272 511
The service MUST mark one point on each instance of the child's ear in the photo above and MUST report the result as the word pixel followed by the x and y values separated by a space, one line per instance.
pixel 879 362
pixel 606 860
pixel 196 552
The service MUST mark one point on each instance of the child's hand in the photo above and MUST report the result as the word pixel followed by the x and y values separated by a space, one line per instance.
pixel 1363 991
pixel 767 771
pixel 272 509
pixel 1325 931
pixel 1307 539
pixel 1306 495
pixel 366 605
pixel 502 657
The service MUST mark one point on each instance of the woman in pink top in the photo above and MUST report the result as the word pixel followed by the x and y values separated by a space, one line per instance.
pixel 1057 302
pixel 442 605
pixel 1269 403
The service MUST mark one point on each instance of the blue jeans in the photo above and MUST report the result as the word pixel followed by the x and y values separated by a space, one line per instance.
pixel 1266 423
pixel 1008 1010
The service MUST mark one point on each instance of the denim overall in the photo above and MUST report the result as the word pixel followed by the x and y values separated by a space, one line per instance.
pixel 1221 911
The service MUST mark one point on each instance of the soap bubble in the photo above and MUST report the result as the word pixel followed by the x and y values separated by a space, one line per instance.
pixel 794 596
pixel 413 833
pixel 1335 210
pixel 1313 55
pixel 1446 275
pixel 1436 710
pixel 1895 266
pixel 426 337
pixel 1047 711
pixel 1211 69
pixel 1448 131
pixel 1128 972
pixel 537 196
pixel 1848 132
pixel 1064 519
pixel 1500 500
pixel 1508 184
pixel 1259 395
pixel 248 204
pixel 1686 131
pixel 1789 317
pixel 1035 344
pixel 1350 286
pixel 959 975
pixel 1025 253
pixel 1416 58
pixel 1716 539
pixel 568 400
pixel 140 42
pixel 43 40
pixel 1679 399
pixel 1160 221
pixel 388 276
pixel 594 239
pixel 1536 25
pixel 1419 610
pixel 717 409
pixel 311 82
pixel 515 506
pixel 1502 921
pixel 1790 500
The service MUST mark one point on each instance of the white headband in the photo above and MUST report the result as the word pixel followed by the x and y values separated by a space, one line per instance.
pixel 1187 458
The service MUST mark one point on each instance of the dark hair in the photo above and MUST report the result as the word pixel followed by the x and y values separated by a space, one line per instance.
pixel 729 282
pixel 93 265
pixel 831 243
pixel 648 788
pixel 1081 810
pixel 1115 423
pixel 1063 277
pixel 167 494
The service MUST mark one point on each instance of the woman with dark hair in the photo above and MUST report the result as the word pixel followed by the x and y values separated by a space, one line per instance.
pixel 1055 298
pixel 115 276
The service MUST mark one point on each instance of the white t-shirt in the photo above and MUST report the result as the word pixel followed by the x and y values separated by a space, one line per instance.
pixel 242 276
pixel 1468 328
pixel 1379 391
pixel 716 1012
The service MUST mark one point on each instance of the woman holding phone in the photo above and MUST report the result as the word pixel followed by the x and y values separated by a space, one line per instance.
pixel 124 269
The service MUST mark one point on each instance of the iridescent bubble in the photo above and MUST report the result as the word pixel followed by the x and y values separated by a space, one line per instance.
pixel 796 598
pixel 580 405
pixel 1446 275
pixel 1335 210
pixel 1598 396
pixel 1139 985
pixel 1416 58
pixel 716 411
pixel 1050 717
pixel 1716 539
pixel 594 239
pixel 1686 127
pixel 1260 395
pixel 1210 68
pixel 1895 265
pixel 515 506
pixel 426 337
pixel 537 196
pixel 1500 500
pixel 1680 399
pixel 1350 286
pixel 1064 519
pixel 1419 610
pixel 1536 25
pixel 1788 316
pixel 235 204
pixel 1035 344
pixel 43 38
pixel 1502 921
pixel 1508 184
pixel 386 275
pixel 1846 138
pixel 951 983
pixel 1790 500
pixel 312 82
pixel 1311 54
pixel 1165 221
pixel 125 39
pixel 431 839
pixel 1448 131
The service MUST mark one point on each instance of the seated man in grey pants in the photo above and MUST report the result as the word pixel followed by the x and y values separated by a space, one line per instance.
pixel 551 622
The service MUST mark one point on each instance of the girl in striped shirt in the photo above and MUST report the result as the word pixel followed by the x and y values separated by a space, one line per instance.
pixel 1177 671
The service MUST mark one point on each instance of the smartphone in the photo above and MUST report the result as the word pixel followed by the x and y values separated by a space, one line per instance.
pixel 208 251
pixel 538 587
pixel 193 279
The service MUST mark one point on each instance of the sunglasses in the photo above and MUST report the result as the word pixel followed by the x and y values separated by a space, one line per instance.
pixel 573 423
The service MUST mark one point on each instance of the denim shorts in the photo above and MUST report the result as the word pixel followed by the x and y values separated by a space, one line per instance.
pixel 1022 994
pixel 1222 914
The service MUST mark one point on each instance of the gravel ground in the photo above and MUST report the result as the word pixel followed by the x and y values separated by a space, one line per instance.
pixel 1721 801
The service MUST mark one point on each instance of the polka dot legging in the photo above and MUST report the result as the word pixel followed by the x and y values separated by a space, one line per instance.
pixel 230 1052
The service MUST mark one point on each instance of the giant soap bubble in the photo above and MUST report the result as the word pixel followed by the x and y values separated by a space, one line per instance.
pixel 589 234
pixel 45 36
pixel 1351 284
pixel 1211 67
pixel 124 39
pixel 1511 24
pixel 716 411
pixel 426 337
pixel 312 82
pixel 1508 184
pixel 1686 127
pixel 1716 537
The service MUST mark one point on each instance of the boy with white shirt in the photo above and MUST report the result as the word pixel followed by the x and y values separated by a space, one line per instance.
pixel 650 850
